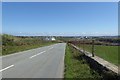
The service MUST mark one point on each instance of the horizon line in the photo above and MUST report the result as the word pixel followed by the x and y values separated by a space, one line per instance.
pixel 46 34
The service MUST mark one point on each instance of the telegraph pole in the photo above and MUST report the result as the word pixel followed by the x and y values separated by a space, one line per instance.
pixel 92 48
pixel 83 46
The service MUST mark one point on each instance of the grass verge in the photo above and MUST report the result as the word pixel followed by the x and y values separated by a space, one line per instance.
pixel 77 67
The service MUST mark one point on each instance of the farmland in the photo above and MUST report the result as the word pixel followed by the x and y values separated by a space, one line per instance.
pixel 107 52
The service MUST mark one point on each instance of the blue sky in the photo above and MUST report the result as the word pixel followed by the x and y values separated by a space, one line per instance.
pixel 83 18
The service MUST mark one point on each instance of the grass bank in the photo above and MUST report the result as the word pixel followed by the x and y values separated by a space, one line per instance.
pixel 12 44
pixel 77 67
pixel 12 49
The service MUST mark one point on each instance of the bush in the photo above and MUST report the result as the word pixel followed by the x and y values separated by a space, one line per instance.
pixel 7 40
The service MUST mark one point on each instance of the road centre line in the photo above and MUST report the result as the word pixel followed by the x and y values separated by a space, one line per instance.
pixel 6 68
pixel 51 48
pixel 37 54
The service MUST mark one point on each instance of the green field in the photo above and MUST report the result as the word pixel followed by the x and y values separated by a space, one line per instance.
pixel 77 67
pixel 12 44
pixel 109 53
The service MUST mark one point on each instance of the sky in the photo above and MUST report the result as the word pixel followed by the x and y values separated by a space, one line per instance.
pixel 60 18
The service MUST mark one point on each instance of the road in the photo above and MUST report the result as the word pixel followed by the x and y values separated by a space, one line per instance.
pixel 44 62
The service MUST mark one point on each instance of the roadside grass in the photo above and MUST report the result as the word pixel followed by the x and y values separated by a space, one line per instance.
pixel 77 67
pixel 109 53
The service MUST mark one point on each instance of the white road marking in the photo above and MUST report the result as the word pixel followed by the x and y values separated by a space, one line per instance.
pixel 50 48
pixel 37 54
pixel 6 68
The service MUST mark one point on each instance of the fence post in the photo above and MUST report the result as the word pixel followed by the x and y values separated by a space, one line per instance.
pixel 92 48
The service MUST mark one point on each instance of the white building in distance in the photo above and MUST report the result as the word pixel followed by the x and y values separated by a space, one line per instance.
pixel 50 39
